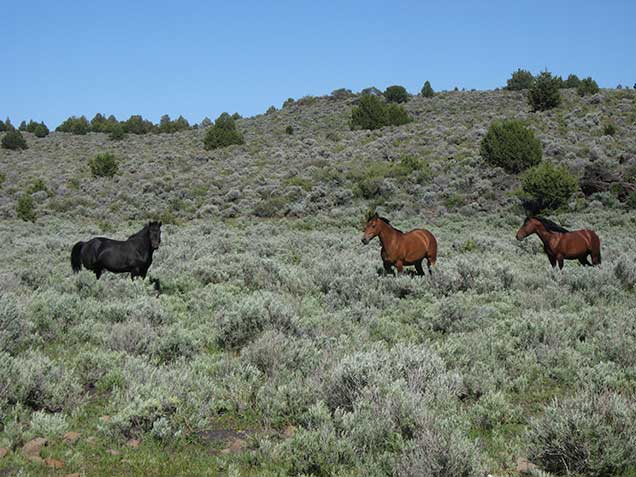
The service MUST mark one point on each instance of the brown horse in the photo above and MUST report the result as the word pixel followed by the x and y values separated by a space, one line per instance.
pixel 399 248
pixel 560 243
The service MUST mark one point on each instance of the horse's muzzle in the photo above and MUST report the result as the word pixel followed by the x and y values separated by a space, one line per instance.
pixel 365 241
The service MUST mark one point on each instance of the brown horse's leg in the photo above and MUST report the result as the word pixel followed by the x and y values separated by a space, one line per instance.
pixel 400 266
pixel 583 261
pixel 596 256
pixel 552 260
pixel 560 260
pixel 419 269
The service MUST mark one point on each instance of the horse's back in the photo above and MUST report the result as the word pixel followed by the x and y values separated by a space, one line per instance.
pixel 578 243
pixel 421 243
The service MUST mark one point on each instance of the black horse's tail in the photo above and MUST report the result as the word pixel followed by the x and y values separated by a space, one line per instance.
pixel 76 259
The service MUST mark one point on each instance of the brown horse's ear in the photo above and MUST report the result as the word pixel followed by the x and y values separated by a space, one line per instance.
pixel 371 214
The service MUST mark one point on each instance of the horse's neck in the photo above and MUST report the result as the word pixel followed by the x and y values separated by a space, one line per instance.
pixel 387 235
pixel 544 234
pixel 141 240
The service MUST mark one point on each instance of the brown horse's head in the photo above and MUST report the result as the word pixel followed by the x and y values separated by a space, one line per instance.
pixel 528 228
pixel 371 229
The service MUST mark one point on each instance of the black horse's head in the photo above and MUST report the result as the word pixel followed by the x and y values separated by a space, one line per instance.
pixel 154 233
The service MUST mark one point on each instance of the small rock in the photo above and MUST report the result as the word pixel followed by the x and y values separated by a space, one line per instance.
pixel 524 466
pixel 71 437
pixel 31 449
pixel 92 440
pixel 3 452
pixel 56 464
pixel 113 452
pixel 233 195
pixel 289 432
pixel 40 196
pixel 105 419
pixel 134 443
pixel 75 474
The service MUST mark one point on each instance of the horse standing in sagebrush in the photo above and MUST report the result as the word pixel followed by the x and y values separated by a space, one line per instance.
pixel 400 249
pixel 561 244
pixel 133 255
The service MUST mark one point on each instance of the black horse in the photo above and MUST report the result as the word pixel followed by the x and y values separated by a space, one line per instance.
pixel 133 255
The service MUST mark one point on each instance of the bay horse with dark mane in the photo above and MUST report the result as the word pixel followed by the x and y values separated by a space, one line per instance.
pixel 399 248
pixel 562 244
pixel 133 255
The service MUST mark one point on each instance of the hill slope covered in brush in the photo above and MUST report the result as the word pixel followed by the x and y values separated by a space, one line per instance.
pixel 274 347
pixel 323 167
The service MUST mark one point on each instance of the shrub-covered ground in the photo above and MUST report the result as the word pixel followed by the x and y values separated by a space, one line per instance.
pixel 274 347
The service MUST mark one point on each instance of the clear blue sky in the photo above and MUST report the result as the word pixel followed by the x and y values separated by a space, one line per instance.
pixel 62 58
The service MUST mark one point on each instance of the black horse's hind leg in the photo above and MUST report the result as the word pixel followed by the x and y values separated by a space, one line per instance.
pixel 560 260
pixel 419 269
pixel 430 265
pixel 98 273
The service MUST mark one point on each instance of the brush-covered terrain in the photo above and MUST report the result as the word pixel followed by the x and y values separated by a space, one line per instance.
pixel 274 347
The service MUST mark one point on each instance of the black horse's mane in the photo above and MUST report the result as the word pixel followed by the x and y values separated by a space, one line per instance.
pixel 548 224
pixel 143 230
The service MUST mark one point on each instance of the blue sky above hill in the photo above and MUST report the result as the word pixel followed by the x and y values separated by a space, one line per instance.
pixel 198 59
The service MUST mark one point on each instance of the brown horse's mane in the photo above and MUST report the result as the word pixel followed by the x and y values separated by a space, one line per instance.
pixel 548 224
pixel 386 221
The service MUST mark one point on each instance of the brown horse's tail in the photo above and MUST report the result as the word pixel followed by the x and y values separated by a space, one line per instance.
pixel 76 257
pixel 432 254
pixel 596 249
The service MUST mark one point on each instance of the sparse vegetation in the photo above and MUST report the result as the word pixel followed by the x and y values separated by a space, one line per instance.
pixel 511 145
pixel 41 130
pixel 520 79
pixel 101 123
pixel 373 113
pixel 547 187
pixel 609 129
pixel 136 124
pixel 103 165
pixel 587 86
pixel 75 125
pixel 369 114
pixel 427 90
pixel 544 92
pixel 25 208
pixel 223 133
pixel 168 126
pixel 117 133
pixel 14 140
pixel 396 94
pixel 573 81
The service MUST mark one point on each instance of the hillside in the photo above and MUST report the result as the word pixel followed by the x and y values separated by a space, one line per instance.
pixel 274 347
pixel 323 167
